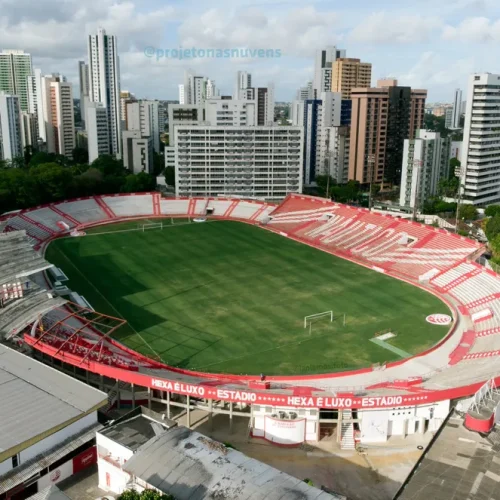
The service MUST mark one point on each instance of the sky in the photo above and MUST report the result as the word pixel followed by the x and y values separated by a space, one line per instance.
pixel 430 44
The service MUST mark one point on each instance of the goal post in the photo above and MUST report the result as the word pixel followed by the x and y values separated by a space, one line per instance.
pixel 312 317
pixel 151 225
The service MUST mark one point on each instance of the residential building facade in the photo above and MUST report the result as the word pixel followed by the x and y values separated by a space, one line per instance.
pixel 137 152
pixel 62 117
pixel 481 150
pixel 324 59
pixel 348 74
pixel 148 118
pixel 104 83
pixel 381 119
pixel 83 75
pixel 98 140
pixel 246 161
pixel 10 127
pixel 457 109
pixel 426 161
pixel 15 67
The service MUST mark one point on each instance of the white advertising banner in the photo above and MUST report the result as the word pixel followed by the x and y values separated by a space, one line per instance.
pixel 54 476
pixel 286 432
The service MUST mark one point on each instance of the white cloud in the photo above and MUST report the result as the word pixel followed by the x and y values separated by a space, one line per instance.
pixel 474 29
pixel 297 33
pixel 382 27
pixel 432 70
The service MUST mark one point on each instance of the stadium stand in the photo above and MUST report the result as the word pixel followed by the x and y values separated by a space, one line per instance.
pixel 129 206
pixel 21 300
pixel 398 247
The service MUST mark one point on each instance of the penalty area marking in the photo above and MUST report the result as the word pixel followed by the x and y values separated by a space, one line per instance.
pixel 389 347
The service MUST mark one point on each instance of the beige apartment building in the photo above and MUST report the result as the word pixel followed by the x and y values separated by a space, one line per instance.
pixel 382 118
pixel 348 74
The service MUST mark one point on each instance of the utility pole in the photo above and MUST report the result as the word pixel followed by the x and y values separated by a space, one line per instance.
pixel 371 163
pixel 417 165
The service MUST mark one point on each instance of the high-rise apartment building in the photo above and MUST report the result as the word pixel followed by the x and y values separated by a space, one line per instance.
pixel 104 83
pixel 148 118
pixel 126 98
pixel 251 162
pixel 382 118
pixel 11 139
pixel 62 117
pixel 448 118
pixel 348 74
pixel 426 160
pixel 182 95
pixel 83 75
pixel 243 82
pixel 457 109
pixel 137 152
pixel 481 151
pixel 97 120
pixel 51 101
pixel 323 69
pixel 15 67
pixel 320 119
pixel 305 93
pixel 29 129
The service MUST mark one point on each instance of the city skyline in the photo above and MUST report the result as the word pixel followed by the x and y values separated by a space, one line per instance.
pixel 435 49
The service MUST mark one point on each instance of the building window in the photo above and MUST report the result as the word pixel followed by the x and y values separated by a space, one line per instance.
pixel 15 461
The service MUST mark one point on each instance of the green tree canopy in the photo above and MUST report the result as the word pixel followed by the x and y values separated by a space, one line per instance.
pixel 467 212
pixel 492 228
pixel 145 495
pixel 492 210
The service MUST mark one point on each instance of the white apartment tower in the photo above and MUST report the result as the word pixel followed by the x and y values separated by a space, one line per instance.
pixel 10 127
pixel 98 140
pixel 182 95
pixel 305 93
pixel 83 74
pixel 137 152
pixel 62 117
pixel 457 109
pixel 104 84
pixel 481 151
pixel 426 160
pixel 323 69
pixel 15 67
pixel 246 161
pixel 243 82
pixel 146 117
pixel 194 88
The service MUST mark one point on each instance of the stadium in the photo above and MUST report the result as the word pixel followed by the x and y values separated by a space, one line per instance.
pixel 308 318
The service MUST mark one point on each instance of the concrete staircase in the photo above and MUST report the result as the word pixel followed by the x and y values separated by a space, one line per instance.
pixel 347 431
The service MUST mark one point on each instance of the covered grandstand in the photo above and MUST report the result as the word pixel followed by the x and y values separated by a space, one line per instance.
pixel 434 259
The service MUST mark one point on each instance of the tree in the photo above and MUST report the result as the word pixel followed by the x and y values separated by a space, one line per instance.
pixel 109 166
pixel 169 173
pixel 454 164
pixel 492 228
pixel 145 495
pixel 80 155
pixel 467 212
pixel 158 163
pixel 53 181
pixel 492 210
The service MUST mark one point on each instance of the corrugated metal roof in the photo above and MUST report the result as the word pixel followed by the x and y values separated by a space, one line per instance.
pixel 188 465
pixel 36 398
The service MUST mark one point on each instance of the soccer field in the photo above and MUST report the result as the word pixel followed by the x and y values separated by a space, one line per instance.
pixel 228 297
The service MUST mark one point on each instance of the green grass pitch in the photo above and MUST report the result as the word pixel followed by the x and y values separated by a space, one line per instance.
pixel 228 297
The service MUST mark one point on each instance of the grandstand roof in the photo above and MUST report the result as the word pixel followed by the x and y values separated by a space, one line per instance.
pixel 18 257
pixel 38 400
pixel 458 464
pixel 188 465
